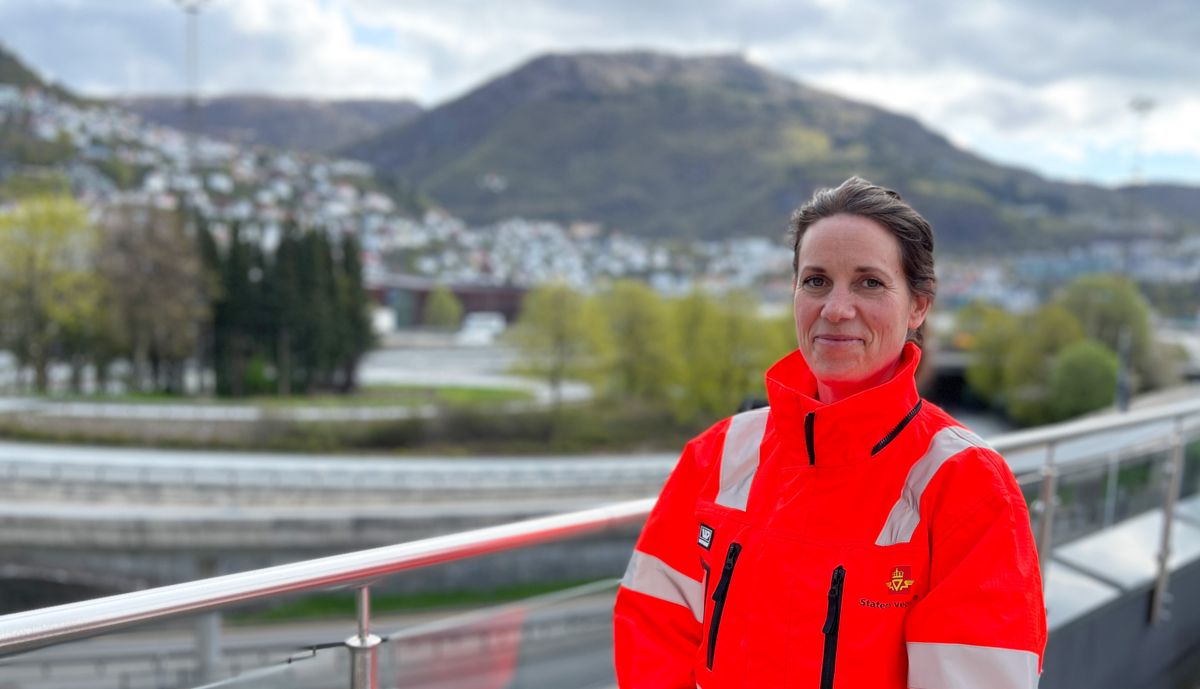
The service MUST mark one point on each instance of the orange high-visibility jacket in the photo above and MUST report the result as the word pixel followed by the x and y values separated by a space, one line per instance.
pixel 872 543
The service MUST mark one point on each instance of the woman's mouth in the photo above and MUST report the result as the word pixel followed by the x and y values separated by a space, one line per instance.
pixel 836 340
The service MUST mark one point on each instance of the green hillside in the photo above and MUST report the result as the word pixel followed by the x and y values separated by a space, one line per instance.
pixel 713 147
pixel 285 123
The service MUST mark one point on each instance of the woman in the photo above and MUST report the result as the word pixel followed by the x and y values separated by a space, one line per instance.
pixel 850 535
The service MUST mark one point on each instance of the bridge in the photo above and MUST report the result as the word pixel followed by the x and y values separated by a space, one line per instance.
pixel 1115 505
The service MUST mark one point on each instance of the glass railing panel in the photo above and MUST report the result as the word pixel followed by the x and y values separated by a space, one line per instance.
pixel 323 669
pixel 561 640
pixel 1105 490
pixel 166 657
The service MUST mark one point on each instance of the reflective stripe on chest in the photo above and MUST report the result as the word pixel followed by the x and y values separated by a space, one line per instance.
pixel 740 457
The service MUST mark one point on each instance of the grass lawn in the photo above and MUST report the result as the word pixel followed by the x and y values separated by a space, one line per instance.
pixel 367 396
pixel 342 604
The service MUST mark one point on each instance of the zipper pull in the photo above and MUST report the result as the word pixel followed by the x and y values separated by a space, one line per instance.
pixel 834 612
pixel 809 420
pixel 731 557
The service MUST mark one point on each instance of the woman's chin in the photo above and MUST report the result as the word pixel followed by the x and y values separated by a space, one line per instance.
pixel 839 373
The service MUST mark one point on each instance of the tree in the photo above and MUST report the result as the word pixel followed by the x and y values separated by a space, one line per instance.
pixel 159 294
pixel 724 347
pixel 442 309
pixel 48 284
pixel 1083 379
pixel 986 332
pixel 354 306
pixel 561 335
pixel 1110 307
pixel 317 344
pixel 1028 366
pixel 645 358
pixel 289 308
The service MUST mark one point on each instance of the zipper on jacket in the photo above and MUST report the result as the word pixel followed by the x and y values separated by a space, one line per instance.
pixel 718 596
pixel 809 419
pixel 833 619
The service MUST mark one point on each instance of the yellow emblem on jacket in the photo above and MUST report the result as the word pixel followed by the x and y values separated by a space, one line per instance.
pixel 901 579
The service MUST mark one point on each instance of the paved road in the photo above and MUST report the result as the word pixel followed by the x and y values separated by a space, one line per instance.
pixel 108 465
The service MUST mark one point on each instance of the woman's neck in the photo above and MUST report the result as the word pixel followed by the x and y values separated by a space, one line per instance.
pixel 829 392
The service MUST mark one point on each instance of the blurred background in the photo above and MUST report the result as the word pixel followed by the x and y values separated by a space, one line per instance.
pixel 286 278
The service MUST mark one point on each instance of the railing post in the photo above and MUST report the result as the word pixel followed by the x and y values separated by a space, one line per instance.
pixel 1046 522
pixel 364 660
pixel 1110 489
pixel 208 630
pixel 208 646
pixel 1174 476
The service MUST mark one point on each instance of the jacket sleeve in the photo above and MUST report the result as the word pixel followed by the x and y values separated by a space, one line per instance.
pixel 983 621
pixel 659 603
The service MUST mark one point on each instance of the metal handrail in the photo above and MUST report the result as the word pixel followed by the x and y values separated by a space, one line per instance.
pixel 33 629
pixel 25 631
pixel 1070 430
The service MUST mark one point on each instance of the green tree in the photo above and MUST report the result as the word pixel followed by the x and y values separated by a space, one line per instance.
pixel 986 333
pixel 48 285
pixel 442 309
pixel 236 313
pixel 724 347
pixel 285 299
pixel 561 335
pixel 1027 368
pixel 318 294
pixel 1108 306
pixel 25 185
pixel 645 356
pixel 355 335
pixel 1083 379
pixel 159 293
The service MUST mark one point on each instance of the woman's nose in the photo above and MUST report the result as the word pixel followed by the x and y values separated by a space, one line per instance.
pixel 839 307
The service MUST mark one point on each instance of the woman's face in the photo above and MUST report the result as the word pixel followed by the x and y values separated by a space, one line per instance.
pixel 852 304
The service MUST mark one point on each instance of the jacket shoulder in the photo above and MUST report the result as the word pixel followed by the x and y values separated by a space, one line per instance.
pixel 707 447
pixel 968 467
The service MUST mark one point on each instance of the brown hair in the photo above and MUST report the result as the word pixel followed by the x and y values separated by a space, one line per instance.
pixel 857 196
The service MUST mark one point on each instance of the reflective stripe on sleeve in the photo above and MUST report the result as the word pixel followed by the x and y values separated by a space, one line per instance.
pixel 906 513
pixel 962 666
pixel 739 457
pixel 649 575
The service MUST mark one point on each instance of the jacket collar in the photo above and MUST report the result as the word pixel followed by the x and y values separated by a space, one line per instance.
pixel 847 430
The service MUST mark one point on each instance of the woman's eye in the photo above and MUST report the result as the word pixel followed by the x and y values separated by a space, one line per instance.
pixel 814 281
pixel 872 283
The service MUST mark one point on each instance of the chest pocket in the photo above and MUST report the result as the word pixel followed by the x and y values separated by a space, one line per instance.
pixel 726 550
pixel 720 545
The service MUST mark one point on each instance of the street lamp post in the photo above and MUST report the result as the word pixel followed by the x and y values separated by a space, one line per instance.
pixel 191 9
pixel 1141 107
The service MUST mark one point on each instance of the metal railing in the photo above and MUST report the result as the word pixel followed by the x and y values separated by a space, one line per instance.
pixel 39 628
pixel 1183 419
pixel 34 629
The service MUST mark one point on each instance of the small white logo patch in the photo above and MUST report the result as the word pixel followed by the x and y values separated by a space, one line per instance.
pixel 706 534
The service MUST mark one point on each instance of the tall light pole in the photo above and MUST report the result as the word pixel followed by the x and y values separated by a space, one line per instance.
pixel 191 9
pixel 1141 108
pixel 208 625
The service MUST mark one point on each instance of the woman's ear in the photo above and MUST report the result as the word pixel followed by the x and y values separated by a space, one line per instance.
pixel 920 309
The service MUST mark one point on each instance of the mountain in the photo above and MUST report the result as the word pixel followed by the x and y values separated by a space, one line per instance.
pixel 14 72
pixel 716 146
pixel 309 125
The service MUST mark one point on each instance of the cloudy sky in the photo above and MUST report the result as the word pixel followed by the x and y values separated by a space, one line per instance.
pixel 1045 84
